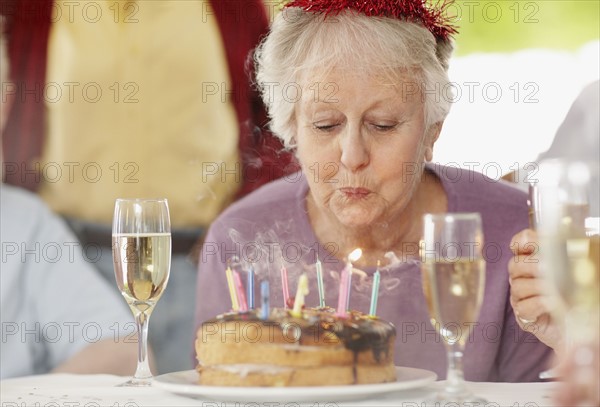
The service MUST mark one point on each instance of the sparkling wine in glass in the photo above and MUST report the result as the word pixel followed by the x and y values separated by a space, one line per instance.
pixel 453 272
pixel 142 260
pixel 569 248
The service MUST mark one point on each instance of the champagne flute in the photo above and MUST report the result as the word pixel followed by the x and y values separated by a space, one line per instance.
pixel 453 272
pixel 568 249
pixel 142 260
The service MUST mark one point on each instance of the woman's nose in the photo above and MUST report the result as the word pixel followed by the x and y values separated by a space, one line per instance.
pixel 355 151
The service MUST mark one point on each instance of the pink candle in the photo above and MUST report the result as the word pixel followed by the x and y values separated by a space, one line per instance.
pixel 345 284
pixel 344 290
pixel 285 288
pixel 241 295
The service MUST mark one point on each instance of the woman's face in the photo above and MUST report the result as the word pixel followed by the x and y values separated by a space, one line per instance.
pixel 361 143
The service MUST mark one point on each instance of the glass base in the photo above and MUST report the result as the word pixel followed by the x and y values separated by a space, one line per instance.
pixel 136 382
pixel 462 398
pixel 550 375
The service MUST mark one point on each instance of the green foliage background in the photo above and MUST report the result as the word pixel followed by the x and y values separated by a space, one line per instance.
pixel 509 25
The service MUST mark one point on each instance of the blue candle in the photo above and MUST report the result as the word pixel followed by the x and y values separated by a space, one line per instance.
pixel 264 299
pixel 250 288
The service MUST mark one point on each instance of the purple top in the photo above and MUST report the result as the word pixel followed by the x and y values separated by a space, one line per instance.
pixel 270 228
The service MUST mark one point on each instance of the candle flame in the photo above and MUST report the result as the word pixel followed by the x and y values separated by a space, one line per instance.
pixel 355 254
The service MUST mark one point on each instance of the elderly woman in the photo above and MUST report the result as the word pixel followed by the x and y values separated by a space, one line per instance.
pixel 357 92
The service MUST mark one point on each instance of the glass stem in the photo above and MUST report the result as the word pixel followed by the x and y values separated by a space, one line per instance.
pixel 143 368
pixel 455 379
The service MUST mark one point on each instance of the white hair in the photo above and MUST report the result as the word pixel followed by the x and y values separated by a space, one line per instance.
pixel 301 44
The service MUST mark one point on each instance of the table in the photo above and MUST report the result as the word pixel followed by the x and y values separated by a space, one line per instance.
pixel 68 390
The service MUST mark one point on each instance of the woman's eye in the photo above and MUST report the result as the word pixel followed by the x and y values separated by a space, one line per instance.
pixel 384 127
pixel 326 128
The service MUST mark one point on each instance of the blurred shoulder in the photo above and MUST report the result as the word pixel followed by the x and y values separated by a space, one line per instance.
pixel 275 201
pixel 590 96
pixel 23 208
pixel 26 217
pixel 13 197
pixel 461 182
pixel 503 206
pixel 273 194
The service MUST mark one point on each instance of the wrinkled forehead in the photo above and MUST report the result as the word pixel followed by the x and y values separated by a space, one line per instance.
pixel 332 85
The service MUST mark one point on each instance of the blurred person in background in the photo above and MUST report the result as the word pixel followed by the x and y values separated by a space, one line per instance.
pixel 58 314
pixel 139 99
pixel 577 138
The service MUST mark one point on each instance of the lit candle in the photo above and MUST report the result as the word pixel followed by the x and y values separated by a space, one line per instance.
pixel 345 284
pixel 375 291
pixel 349 283
pixel 320 283
pixel 343 294
pixel 231 285
pixel 284 287
pixel 301 292
pixel 264 299
pixel 239 289
pixel 250 288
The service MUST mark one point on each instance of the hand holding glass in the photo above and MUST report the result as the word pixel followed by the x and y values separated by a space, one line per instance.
pixel 142 260
pixel 453 271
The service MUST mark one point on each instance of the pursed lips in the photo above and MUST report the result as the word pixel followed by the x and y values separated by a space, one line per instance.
pixel 355 193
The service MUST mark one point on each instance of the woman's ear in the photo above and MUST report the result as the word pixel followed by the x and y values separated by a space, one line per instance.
pixel 433 132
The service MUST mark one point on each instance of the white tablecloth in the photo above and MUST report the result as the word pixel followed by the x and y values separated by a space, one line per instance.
pixel 66 390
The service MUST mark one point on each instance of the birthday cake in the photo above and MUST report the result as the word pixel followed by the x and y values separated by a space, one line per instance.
pixel 314 348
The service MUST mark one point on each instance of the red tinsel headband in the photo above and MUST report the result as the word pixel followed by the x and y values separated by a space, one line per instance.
pixel 418 11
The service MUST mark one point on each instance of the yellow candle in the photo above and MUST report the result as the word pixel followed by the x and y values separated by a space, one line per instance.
pixel 301 292
pixel 234 302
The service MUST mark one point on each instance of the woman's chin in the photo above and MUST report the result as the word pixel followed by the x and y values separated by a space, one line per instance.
pixel 356 218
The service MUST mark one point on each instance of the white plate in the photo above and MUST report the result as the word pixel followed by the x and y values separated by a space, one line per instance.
pixel 185 383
